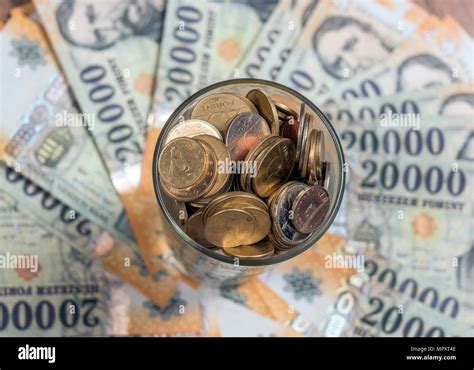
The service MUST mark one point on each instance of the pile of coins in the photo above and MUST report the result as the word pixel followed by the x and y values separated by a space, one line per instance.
pixel 247 174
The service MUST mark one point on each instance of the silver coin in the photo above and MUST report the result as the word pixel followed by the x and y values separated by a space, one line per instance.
pixel 282 211
pixel 304 138
pixel 192 128
pixel 243 131
pixel 299 142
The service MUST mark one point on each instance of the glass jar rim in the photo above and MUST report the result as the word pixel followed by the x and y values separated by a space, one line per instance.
pixel 288 254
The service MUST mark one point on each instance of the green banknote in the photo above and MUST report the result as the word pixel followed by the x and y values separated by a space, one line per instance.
pixel 46 287
pixel 88 238
pixel 108 51
pixel 439 56
pixel 452 100
pixel 408 189
pixel 202 44
pixel 344 38
pixel 271 49
pixel 356 298
pixel 378 311
pixel 45 136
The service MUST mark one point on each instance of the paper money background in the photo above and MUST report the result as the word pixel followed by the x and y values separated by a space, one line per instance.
pixel 85 87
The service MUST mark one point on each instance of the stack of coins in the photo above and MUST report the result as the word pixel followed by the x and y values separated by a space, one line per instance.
pixel 246 174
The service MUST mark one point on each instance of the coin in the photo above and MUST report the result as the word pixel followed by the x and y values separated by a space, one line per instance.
pixel 223 157
pixel 290 129
pixel 319 156
pixel 182 163
pixel 243 132
pixel 265 107
pixel 200 187
pixel 283 231
pixel 192 128
pixel 229 228
pixel 302 164
pixel 259 250
pixel 194 227
pixel 309 153
pixel 177 209
pixel 274 166
pixel 247 176
pixel 310 208
pixel 299 142
pixel 326 175
pixel 218 109
pixel 234 199
pixel 285 110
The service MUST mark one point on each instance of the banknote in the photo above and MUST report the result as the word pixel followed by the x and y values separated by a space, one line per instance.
pixel 452 100
pixel 103 72
pixel 384 312
pixel 118 257
pixel 454 301
pixel 220 319
pixel 267 54
pixel 202 45
pixel 408 190
pixel 439 56
pixel 341 297
pixel 305 283
pixel 345 38
pixel 134 314
pixel 44 135
pixel 46 287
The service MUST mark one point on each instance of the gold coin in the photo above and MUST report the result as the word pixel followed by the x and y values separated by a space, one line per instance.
pixel 261 100
pixel 234 199
pixel 299 141
pixel 182 162
pixel 191 128
pixel 177 209
pixel 274 166
pixel 201 187
pixel 223 157
pixel 307 127
pixel 229 228
pixel 285 111
pixel 319 156
pixel 310 142
pixel 218 109
pixel 326 170
pixel 245 178
pixel 194 227
pixel 263 249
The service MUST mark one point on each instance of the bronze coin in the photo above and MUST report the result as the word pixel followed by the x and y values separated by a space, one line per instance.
pixel 243 132
pixel 191 128
pixel 310 208
pixel 223 158
pixel 245 178
pixel 290 130
pixel 264 104
pixel 229 228
pixel 286 111
pixel 182 162
pixel 218 109
pixel 274 166
pixel 263 249
pixel 194 227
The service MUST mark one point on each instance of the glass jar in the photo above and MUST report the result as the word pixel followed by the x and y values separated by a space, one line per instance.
pixel 204 263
